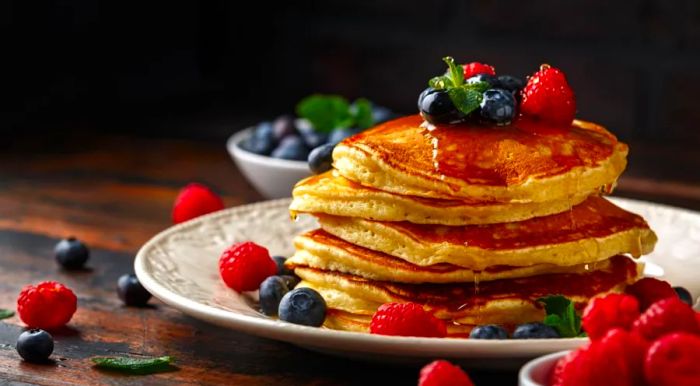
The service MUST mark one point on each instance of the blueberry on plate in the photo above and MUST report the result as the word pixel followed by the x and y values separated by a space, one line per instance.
pixel 282 127
pixel 340 134
pixel 535 331
pixel 488 331
pixel 71 253
pixel 35 345
pixel 292 147
pixel 498 105
pixel 510 83
pixel 131 292
pixel 321 158
pixel 490 79
pixel 436 106
pixel 281 269
pixel 291 280
pixel 303 306
pixel 262 141
pixel 684 295
pixel 271 292
pixel 311 137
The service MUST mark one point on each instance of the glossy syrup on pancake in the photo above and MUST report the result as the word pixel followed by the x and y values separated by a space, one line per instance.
pixel 485 155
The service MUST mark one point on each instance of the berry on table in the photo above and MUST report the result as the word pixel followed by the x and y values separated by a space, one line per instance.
pixel 48 305
pixel 71 253
pixel 195 200
pixel 131 292
pixel 292 147
pixel 271 292
pixel 281 269
pixel 476 68
pixel 406 319
pixel 666 316
pixel 684 295
pixel 535 331
pixel 672 360
pixel 649 290
pixel 548 97
pixel 498 106
pixel 303 306
pixel 443 373
pixel 243 266
pixel 488 331
pixel 35 345
pixel 321 158
pixel 609 311
pixel 436 106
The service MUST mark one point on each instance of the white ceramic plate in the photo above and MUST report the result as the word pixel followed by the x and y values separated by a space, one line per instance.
pixel 179 266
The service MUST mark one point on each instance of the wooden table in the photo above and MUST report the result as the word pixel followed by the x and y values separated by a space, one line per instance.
pixel 115 193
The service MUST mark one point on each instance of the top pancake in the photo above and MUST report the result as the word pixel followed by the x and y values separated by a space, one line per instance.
pixel 514 163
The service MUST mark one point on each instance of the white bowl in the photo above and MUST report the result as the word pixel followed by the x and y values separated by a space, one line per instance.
pixel 537 371
pixel 272 177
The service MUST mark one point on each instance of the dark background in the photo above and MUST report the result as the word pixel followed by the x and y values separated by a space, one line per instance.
pixel 204 69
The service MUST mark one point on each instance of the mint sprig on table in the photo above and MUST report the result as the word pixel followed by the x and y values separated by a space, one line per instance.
pixel 138 366
pixel 465 96
pixel 562 316
pixel 328 112
pixel 4 314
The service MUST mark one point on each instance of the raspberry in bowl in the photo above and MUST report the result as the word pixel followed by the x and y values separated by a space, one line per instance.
pixel 273 156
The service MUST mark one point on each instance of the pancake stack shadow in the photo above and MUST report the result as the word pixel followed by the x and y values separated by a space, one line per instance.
pixel 475 223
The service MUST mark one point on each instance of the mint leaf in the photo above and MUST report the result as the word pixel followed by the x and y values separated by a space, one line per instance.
pixel 478 86
pixel 325 112
pixel 4 314
pixel 362 113
pixel 561 315
pixel 140 366
pixel 465 99
pixel 456 72
pixel 440 82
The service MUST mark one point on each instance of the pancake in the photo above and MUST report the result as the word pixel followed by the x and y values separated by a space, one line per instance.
pixel 511 163
pixel 509 301
pixel 333 194
pixel 591 231
pixel 341 320
pixel 321 250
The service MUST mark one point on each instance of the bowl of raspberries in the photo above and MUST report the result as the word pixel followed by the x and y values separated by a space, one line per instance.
pixel 648 336
pixel 274 155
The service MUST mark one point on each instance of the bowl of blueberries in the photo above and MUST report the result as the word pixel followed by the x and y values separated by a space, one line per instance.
pixel 275 155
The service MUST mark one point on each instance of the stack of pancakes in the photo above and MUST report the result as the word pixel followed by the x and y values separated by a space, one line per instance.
pixel 475 223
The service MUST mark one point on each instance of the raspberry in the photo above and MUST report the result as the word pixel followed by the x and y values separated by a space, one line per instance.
pixel 476 68
pixel 48 305
pixel 649 290
pixel 195 200
pixel 666 316
pixel 609 311
pixel 443 373
pixel 566 368
pixel 548 97
pixel 672 361
pixel 406 319
pixel 244 266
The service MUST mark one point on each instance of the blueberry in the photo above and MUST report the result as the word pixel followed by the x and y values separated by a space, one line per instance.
pixel 131 292
pixel 262 141
pixel 271 291
pixel 283 126
pixel 684 295
pixel 488 331
pixel 35 345
pixel 292 147
pixel 321 158
pixel 498 105
pixel 490 79
pixel 340 134
pixel 291 280
pixel 381 114
pixel 510 83
pixel 311 137
pixel 281 269
pixel 436 106
pixel 535 331
pixel 71 253
pixel 303 306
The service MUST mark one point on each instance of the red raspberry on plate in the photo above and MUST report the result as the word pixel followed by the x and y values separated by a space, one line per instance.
pixel 609 311
pixel 443 373
pixel 673 361
pixel 666 316
pixel 476 68
pixel 243 266
pixel 406 319
pixel 195 200
pixel 548 97
pixel 649 290
pixel 48 305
